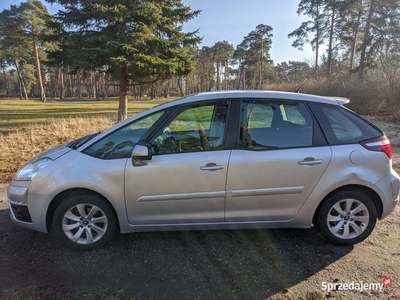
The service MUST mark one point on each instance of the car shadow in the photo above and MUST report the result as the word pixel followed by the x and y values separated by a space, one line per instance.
pixel 243 264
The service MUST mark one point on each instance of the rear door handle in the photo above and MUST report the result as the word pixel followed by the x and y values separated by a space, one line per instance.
pixel 310 161
pixel 211 167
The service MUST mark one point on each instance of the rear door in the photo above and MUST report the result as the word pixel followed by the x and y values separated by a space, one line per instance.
pixel 280 159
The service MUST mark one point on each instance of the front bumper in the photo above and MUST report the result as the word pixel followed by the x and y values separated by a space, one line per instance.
pixel 20 212
pixel 27 210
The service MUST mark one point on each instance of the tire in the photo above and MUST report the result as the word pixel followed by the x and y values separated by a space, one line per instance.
pixel 346 217
pixel 84 221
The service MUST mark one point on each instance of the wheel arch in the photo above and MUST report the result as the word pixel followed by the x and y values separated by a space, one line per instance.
pixel 370 192
pixel 62 195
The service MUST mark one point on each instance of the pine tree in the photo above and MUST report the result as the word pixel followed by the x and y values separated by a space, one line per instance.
pixel 20 29
pixel 256 46
pixel 14 43
pixel 35 15
pixel 317 26
pixel 136 41
pixel 223 52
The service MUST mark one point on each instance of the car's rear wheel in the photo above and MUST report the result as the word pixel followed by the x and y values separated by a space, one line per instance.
pixel 346 217
pixel 84 221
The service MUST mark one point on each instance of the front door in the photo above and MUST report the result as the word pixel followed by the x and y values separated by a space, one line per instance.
pixel 184 182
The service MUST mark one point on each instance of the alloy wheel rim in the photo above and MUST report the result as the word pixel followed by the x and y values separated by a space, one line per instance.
pixel 348 219
pixel 84 223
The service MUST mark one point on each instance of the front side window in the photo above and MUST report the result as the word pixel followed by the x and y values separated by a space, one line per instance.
pixel 194 129
pixel 120 143
pixel 275 125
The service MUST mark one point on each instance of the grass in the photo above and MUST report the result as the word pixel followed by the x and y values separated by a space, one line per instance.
pixel 17 114
pixel 30 127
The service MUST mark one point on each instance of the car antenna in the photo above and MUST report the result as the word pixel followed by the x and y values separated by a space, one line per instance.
pixel 298 90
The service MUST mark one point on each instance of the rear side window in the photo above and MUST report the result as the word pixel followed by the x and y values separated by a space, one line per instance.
pixel 342 126
pixel 268 125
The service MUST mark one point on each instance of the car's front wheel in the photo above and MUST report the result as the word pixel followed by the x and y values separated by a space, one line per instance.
pixel 346 217
pixel 84 221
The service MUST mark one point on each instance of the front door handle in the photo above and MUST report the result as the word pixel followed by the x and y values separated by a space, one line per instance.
pixel 211 167
pixel 310 161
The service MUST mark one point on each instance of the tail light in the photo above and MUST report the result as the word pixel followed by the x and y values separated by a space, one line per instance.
pixel 379 144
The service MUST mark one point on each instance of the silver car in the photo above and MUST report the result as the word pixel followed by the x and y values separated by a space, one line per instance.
pixel 222 160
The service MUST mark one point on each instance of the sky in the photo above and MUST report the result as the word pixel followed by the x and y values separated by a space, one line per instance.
pixel 232 20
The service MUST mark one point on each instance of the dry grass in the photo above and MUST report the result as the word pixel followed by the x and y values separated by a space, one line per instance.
pixel 18 147
pixel 29 127
pixel 17 114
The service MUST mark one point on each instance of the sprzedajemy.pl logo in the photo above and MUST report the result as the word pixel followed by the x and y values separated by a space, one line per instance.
pixel 357 286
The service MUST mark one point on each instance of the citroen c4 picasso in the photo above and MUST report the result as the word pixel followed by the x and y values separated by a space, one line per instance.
pixel 222 160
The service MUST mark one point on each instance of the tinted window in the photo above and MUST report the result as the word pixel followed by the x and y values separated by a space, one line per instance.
pixel 194 129
pixel 275 125
pixel 342 126
pixel 120 143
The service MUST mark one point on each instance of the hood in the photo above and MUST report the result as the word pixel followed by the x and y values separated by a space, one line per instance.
pixel 53 153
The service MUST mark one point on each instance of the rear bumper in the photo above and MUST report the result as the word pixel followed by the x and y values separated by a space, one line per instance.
pixel 395 184
pixel 389 187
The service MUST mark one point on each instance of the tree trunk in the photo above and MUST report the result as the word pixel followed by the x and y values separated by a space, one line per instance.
pixel 329 63
pixel 79 89
pixel 166 90
pixel 316 54
pixel 218 76
pixel 261 67
pixel 365 41
pixel 237 79
pixel 95 86
pixel 180 86
pixel 354 42
pixel 244 79
pixel 61 83
pixel 5 81
pixel 152 91
pixel 103 85
pixel 39 72
pixel 70 86
pixel 116 91
pixel 22 90
pixel 123 99
pixel 226 74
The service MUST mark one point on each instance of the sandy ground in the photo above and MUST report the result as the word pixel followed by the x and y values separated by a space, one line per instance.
pixel 3 196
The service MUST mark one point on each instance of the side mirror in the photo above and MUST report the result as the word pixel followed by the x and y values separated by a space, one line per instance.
pixel 141 152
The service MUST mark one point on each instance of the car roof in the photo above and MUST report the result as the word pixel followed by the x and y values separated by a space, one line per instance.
pixel 256 94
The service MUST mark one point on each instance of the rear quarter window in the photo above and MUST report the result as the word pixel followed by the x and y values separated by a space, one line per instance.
pixel 342 126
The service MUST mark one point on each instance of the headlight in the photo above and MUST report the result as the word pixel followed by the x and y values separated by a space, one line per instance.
pixel 30 170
